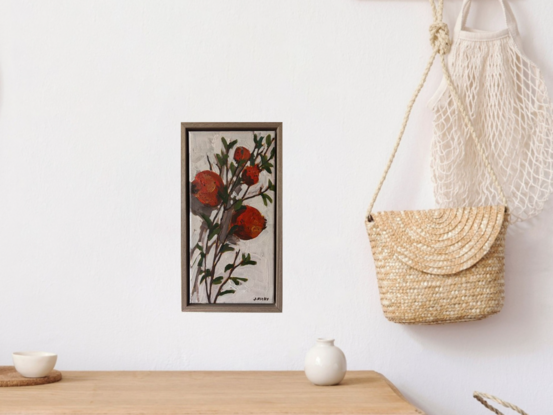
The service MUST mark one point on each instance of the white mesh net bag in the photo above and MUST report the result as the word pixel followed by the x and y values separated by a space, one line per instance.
pixel 507 100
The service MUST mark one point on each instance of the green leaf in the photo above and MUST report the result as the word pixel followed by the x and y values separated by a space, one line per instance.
pixel 266 198
pixel 259 143
pixel 222 158
pixel 273 152
pixel 223 194
pixel 199 248
pixel 247 260
pixel 266 165
pixel 238 205
pixel 232 167
pixel 214 231
pixel 226 248
pixel 237 280
pixel 206 274
pixel 207 220
pixel 232 230
pixel 268 140
pixel 217 280
pixel 227 292
pixel 232 144
pixel 228 267
pixel 202 257
pixel 271 186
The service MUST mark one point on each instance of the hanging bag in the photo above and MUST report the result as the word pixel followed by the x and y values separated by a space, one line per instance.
pixel 443 265
pixel 512 114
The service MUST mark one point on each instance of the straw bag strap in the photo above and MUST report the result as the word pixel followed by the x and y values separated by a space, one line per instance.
pixel 481 397
pixel 441 44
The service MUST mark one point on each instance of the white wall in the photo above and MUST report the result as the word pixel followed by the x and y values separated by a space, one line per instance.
pixel 92 94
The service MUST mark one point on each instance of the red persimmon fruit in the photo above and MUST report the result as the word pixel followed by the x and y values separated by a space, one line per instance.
pixel 206 187
pixel 249 223
pixel 241 154
pixel 250 175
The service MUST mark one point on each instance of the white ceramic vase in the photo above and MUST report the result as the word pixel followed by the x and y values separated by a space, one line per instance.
pixel 325 364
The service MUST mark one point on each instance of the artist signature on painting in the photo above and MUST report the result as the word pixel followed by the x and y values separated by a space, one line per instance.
pixel 261 299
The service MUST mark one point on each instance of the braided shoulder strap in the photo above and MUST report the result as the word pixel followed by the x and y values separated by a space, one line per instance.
pixel 481 397
pixel 441 45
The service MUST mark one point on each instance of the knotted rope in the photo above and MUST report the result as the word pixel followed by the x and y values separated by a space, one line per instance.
pixel 441 45
pixel 439 38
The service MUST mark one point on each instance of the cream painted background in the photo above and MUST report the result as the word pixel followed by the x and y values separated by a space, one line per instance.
pixel 92 94
pixel 261 276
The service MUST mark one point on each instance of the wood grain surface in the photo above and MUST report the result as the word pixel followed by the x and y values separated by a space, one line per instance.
pixel 213 393
pixel 10 377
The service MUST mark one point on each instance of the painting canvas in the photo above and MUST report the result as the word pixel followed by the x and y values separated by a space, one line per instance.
pixel 231 217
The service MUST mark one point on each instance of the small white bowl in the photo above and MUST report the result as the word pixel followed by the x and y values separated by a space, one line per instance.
pixel 34 364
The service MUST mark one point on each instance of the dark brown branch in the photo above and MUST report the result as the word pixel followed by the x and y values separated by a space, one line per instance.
pixel 256 194
pixel 234 266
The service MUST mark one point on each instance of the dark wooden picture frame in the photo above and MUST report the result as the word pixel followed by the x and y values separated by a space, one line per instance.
pixel 187 304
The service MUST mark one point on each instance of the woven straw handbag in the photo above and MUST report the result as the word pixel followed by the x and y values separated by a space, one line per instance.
pixel 483 397
pixel 442 265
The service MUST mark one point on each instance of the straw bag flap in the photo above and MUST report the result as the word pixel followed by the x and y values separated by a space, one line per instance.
pixel 439 241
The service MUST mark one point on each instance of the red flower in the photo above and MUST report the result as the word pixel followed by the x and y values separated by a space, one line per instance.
pixel 249 223
pixel 241 154
pixel 250 175
pixel 206 187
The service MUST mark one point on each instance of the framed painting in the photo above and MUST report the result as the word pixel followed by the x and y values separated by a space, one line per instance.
pixel 231 216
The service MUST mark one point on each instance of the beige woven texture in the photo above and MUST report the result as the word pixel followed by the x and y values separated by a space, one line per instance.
pixel 439 266
pixel 507 101
pixel 482 397
pixel 443 265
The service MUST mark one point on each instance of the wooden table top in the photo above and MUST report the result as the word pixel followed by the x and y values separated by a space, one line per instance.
pixel 213 393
